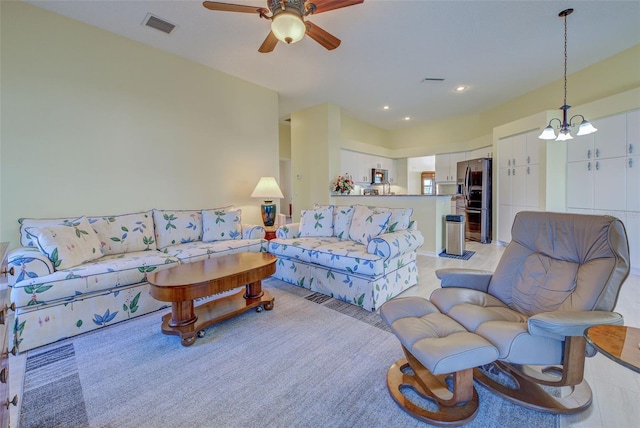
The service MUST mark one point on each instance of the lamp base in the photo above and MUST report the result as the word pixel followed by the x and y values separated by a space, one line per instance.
pixel 268 213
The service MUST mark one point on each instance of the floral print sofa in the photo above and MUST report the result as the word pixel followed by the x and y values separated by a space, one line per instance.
pixel 74 275
pixel 357 254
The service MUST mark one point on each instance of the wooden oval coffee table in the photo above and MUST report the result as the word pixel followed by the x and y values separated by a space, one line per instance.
pixel 183 284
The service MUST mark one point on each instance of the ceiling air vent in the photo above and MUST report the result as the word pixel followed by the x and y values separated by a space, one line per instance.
pixel 433 80
pixel 158 24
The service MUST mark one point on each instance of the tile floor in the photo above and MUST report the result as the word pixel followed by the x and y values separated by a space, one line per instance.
pixel 616 390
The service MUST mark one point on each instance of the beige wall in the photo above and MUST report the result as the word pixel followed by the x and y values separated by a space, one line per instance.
pixel 96 124
pixel 315 155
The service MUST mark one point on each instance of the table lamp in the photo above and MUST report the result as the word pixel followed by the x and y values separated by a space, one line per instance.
pixel 267 189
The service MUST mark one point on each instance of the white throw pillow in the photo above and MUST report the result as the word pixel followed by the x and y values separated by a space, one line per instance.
pixel 125 233
pixel 400 219
pixel 221 225
pixel 67 245
pixel 177 227
pixel 367 224
pixel 317 222
pixel 342 216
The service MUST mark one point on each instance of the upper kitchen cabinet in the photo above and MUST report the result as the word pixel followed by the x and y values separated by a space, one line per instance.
pixel 447 166
pixel 358 166
pixel 482 152
pixel 518 178
pixel 602 168
pixel 609 142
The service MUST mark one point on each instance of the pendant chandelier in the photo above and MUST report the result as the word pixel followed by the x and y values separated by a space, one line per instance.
pixel 564 133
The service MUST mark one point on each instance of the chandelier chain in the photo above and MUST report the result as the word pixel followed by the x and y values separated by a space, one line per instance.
pixel 565 59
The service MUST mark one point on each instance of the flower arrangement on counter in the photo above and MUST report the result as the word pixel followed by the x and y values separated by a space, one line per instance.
pixel 343 184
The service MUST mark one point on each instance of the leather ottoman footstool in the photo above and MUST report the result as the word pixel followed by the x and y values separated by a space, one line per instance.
pixel 437 349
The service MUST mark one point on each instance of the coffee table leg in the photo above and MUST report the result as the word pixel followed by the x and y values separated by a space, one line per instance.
pixel 182 314
pixel 254 290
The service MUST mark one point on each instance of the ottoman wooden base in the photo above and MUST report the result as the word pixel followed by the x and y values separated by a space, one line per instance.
pixel 455 408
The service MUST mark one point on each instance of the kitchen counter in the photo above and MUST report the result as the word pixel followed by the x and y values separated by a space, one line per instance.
pixel 428 213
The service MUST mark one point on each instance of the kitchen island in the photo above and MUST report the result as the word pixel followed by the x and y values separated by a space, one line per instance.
pixel 428 212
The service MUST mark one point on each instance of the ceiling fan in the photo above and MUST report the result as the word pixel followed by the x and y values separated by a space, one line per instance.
pixel 287 19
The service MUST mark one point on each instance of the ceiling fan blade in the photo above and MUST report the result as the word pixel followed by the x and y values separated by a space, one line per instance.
pixel 226 7
pixel 327 5
pixel 269 43
pixel 319 35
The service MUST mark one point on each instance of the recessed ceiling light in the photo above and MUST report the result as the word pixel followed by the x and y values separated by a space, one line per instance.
pixel 385 108
pixel 407 118
pixel 461 88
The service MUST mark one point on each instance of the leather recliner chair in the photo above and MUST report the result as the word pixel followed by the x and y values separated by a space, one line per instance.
pixel 560 274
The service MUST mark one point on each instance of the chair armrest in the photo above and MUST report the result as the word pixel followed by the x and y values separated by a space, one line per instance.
pixel 560 324
pixel 389 245
pixel 27 263
pixel 288 231
pixel 252 231
pixel 474 279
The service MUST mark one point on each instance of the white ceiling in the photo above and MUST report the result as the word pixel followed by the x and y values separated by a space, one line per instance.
pixel 499 49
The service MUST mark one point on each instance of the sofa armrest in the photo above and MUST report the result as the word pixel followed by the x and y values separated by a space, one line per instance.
pixel 389 245
pixel 560 324
pixel 253 231
pixel 288 231
pixel 27 262
pixel 474 279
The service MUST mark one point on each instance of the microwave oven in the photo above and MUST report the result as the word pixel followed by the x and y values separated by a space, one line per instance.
pixel 379 176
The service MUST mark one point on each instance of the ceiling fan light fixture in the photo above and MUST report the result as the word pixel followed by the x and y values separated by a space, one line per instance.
pixel 288 27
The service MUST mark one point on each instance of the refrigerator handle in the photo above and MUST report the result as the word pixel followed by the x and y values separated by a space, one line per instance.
pixel 467 183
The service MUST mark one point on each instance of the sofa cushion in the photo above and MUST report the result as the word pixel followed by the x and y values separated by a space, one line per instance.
pixel 106 273
pixel 342 216
pixel 125 233
pixel 194 251
pixel 67 245
pixel 347 256
pixel 221 224
pixel 177 227
pixel 317 221
pixel 26 240
pixel 298 248
pixel 367 224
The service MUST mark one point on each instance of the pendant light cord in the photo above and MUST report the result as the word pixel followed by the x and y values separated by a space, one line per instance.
pixel 565 59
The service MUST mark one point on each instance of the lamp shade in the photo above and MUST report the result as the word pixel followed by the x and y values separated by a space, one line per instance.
pixel 548 133
pixel 267 189
pixel 586 128
pixel 288 27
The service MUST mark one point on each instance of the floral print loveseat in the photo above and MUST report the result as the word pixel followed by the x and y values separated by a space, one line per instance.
pixel 358 254
pixel 73 275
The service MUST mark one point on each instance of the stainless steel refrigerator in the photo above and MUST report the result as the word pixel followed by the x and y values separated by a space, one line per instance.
pixel 474 182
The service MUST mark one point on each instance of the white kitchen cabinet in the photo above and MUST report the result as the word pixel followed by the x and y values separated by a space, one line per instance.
pixel 482 152
pixel 600 172
pixel 518 179
pixel 609 184
pixel 610 141
pixel 607 179
pixel 597 184
pixel 579 185
pixel 633 183
pixel 447 166
pixel 632 227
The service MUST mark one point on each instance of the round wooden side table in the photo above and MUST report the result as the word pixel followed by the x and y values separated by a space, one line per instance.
pixel 617 342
